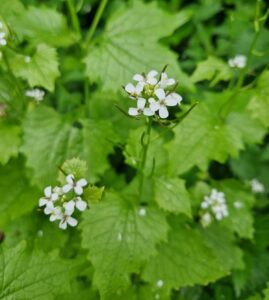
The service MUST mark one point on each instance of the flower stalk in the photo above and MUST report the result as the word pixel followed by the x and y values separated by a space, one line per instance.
pixel 145 145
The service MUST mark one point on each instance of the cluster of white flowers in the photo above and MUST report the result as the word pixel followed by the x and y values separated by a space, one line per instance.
pixel 213 206
pixel 36 94
pixel 3 40
pixel 151 95
pixel 257 186
pixel 61 207
pixel 239 61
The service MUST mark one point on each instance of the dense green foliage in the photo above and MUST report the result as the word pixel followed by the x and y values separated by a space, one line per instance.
pixel 145 233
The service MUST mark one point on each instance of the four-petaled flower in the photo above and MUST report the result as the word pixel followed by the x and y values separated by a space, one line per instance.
pixel 54 212
pixel 165 81
pixel 76 202
pixel 163 101
pixel 150 78
pixel 77 186
pixel 49 198
pixel 140 109
pixel 67 219
pixel 134 91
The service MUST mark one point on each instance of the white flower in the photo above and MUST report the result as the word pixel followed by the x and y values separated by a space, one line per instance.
pixel 159 283
pixel 164 100
pixel 3 41
pixel 134 91
pixel 140 109
pixel 257 186
pixel 54 212
pixel 37 94
pixel 238 204
pixel 77 186
pixel 239 61
pixel 142 212
pixel 49 198
pixel 150 78
pixel 67 219
pixel 76 202
pixel 165 81
pixel 27 59
pixel 206 219
pixel 214 204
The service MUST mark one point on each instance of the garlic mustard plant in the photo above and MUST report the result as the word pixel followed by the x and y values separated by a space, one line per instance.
pixel 61 202
pixel 36 94
pixel 256 186
pixel 239 61
pixel 213 207
pixel 152 94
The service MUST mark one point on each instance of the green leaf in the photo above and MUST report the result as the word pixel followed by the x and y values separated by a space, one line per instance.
pixel 266 292
pixel 39 24
pixel 222 242
pixel 42 70
pixel 17 196
pixel 259 104
pixel 172 196
pixel 185 260
pixel 130 45
pixel 212 69
pixel 119 240
pixel 58 140
pixel 202 137
pixel 9 142
pixel 32 275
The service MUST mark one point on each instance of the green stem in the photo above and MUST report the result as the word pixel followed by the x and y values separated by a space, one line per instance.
pixel 74 17
pixel 243 72
pixel 145 147
pixel 257 27
pixel 96 20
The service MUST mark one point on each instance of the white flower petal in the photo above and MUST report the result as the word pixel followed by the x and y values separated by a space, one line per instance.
pixel 163 112
pixel 148 112
pixel 138 77
pixel 141 102
pixel 66 188
pixel 152 73
pixel 82 182
pixel 81 205
pixel 70 178
pixel 154 106
pixel 48 210
pixel 152 81
pixel 53 217
pixel 133 111
pixel 63 224
pixel 129 88
pixel 72 221
pixel 173 99
pixel 47 191
pixel 70 205
pixel 170 81
pixel 78 190
pixel 54 196
pixel 43 201
pixel 160 94
pixel 139 88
